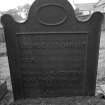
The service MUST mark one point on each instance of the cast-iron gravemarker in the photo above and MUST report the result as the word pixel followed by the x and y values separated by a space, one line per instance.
pixel 52 54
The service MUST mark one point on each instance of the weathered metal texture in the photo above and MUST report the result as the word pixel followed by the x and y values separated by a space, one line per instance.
pixel 52 54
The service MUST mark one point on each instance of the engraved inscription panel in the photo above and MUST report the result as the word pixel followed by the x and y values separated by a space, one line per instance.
pixel 56 79
pixel 54 84
pixel 60 57
pixel 53 52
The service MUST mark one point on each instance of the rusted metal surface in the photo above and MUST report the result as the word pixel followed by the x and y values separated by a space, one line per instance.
pixel 52 54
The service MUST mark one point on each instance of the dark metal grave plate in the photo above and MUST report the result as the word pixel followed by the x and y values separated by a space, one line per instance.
pixel 52 54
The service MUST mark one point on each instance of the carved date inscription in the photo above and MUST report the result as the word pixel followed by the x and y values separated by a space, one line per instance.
pixel 73 83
